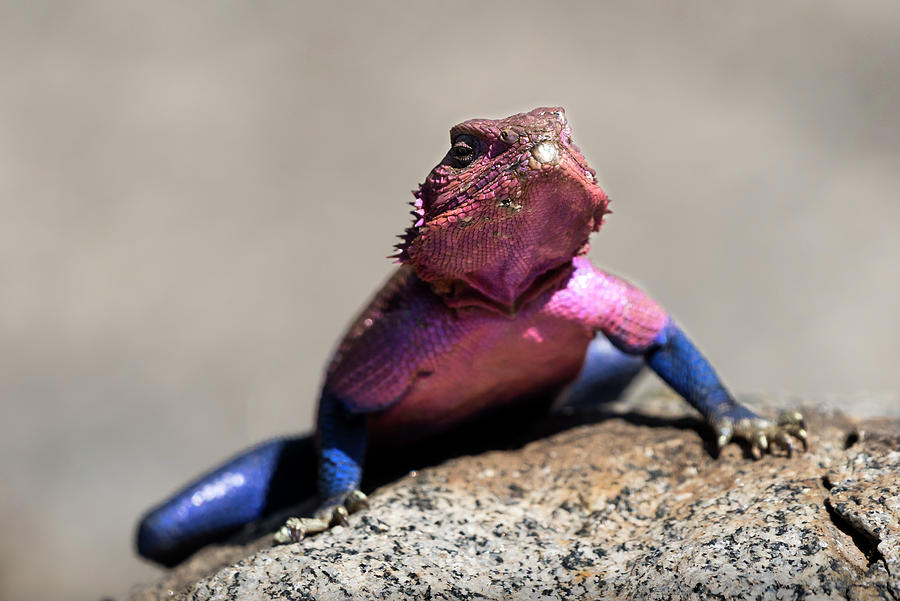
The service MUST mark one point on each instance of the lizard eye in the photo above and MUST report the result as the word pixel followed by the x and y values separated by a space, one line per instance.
pixel 463 151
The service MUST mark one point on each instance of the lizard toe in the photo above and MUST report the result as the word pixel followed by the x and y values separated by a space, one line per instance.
pixel 724 433
pixel 356 500
pixel 333 512
pixel 296 529
pixel 340 516
pixel 791 424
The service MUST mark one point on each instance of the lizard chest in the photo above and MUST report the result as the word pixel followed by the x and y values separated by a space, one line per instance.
pixel 472 362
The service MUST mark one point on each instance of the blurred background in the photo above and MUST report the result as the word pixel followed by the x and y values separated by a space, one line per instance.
pixel 195 198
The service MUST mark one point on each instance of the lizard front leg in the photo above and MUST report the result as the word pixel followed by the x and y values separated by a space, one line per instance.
pixel 678 362
pixel 342 447
pixel 637 325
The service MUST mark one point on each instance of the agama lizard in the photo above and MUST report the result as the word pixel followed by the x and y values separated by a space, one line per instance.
pixel 495 301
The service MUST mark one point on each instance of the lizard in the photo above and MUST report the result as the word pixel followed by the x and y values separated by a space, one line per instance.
pixel 494 301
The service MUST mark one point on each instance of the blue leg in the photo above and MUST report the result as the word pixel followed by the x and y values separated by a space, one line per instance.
pixel 606 373
pixel 254 484
pixel 342 448
pixel 678 362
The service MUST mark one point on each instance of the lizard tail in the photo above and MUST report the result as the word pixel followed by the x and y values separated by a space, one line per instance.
pixel 254 484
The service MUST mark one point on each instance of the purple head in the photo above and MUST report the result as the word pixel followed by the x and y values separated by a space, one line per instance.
pixel 511 201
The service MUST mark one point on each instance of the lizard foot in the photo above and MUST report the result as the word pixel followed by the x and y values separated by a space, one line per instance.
pixel 762 434
pixel 334 511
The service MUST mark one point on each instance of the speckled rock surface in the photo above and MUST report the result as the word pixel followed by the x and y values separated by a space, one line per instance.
pixel 630 507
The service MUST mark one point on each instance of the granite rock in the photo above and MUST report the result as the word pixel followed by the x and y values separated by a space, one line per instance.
pixel 631 506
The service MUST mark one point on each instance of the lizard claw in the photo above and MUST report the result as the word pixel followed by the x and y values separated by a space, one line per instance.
pixel 296 529
pixel 793 424
pixel 356 500
pixel 762 435
pixel 334 512
pixel 725 433
pixel 340 516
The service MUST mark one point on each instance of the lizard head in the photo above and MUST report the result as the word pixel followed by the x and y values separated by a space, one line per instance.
pixel 512 201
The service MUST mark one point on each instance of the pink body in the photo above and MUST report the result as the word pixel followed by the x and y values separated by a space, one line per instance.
pixel 417 365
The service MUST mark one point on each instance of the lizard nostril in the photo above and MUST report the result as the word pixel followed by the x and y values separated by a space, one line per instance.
pixel 546 153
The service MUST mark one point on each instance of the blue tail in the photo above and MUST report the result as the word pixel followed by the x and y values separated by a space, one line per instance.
pixel 252 485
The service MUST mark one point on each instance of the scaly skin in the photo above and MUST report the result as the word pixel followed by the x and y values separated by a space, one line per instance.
pixel 495 301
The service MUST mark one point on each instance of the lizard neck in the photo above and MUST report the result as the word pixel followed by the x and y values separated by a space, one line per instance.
pixel 457 294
